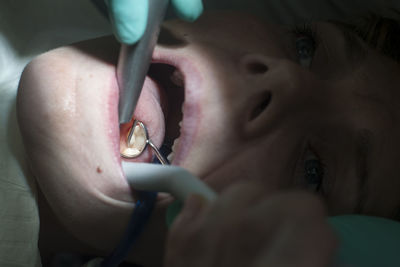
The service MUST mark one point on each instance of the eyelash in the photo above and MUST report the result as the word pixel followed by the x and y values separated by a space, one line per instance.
pixel 305 35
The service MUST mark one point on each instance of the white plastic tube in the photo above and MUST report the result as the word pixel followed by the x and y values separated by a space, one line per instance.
pixel 169 179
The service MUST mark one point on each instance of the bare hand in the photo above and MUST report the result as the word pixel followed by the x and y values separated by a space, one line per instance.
pixel 247 227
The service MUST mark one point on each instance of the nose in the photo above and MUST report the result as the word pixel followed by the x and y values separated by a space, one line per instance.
pixel 274 87
pixel 253 69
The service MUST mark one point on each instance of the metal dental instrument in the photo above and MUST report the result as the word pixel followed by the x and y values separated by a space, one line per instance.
pixel 134 61
pixel 137 141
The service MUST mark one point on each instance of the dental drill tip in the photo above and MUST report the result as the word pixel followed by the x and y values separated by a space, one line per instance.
pixel 134 61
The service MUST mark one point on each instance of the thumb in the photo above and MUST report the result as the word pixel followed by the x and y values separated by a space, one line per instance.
pixel 128 18
pixel 188 9
pixel 193 207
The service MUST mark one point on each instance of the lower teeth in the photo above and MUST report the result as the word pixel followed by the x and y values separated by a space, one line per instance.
pixel 171 157
pixel 175 146
pixel 177 78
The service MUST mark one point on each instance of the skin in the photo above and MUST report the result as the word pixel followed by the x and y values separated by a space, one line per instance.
pixel 286 229
pixel 67 108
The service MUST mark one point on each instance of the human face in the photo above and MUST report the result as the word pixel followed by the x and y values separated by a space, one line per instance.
pixel 252 111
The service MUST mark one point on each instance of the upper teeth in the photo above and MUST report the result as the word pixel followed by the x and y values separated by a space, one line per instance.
pixel 177 78
pixel 174 146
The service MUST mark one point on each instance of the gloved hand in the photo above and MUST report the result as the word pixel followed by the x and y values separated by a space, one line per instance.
pixel 129 17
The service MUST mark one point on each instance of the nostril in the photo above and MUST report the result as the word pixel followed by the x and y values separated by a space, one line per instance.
pixel 256 68
pixel 261 105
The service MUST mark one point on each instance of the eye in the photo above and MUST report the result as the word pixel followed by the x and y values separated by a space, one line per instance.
pixel 314 170
pixel 305 44
pixel 305 51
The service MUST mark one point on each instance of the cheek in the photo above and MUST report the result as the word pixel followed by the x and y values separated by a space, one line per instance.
pixel 69 129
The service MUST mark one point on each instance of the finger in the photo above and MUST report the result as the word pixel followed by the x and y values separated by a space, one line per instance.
pixel 186 242
pixel 202 229
pixel 253 222
pixel 302 237
pixel 189 219
pixel 311 246
pixel 192 216
pixel 193 207
pixel 128 18
pixel 243 194
pixel 237 199
pixel 188 9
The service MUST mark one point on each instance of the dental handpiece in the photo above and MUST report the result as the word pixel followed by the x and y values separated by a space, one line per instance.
pixel 134 61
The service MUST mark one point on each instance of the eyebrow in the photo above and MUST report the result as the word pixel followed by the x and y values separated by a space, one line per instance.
pixel 363 151
pixel 355 50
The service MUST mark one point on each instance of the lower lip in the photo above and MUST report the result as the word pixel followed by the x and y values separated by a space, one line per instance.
pixel 113 126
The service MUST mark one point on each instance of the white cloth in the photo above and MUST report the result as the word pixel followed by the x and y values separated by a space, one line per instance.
pixel 30 27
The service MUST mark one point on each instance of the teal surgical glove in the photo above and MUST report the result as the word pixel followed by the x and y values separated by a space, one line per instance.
pixel 129 17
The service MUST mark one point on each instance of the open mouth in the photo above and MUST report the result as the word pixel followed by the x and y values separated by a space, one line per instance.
pixel 170 84
pixel 171 81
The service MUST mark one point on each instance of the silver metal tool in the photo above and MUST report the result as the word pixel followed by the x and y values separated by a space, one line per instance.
pixel 134 61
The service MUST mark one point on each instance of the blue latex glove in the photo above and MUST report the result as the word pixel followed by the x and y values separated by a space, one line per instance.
pixel 129 17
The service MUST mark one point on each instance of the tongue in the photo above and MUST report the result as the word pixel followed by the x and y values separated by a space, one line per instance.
pixel 149 111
